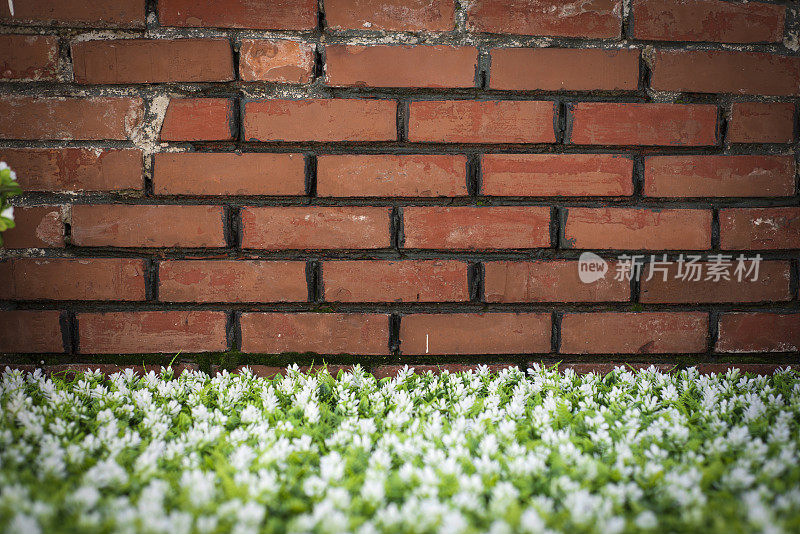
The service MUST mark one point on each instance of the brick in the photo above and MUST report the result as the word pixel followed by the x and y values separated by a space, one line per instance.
pixel 151 332
pixel 232 281
pixel 586 18
pixel 249 14
pixel 320 120
pixel 80 118
pixel 759 228
pixel 76 169
pixel 719 176
pixel 152 61
pixel 707 20
pixel 307 228
pixel 469 121
pixel 391 15
pixel 391 371
pixel 640 333
pixel 28 57
pixel 321 333
pixel 30 331
pixel 400 66
pixel 759 332
pixel 274 60
pixel 476 228
pixel 475 333
pixel 725 71
pixel 36 227
pixel 95 14
pixel 761 122
pixel 772 284
pixel 549 281
pixel 546 175
pixel 609 123
pixel 72 279
pixel 564 69
pixel 202 173
pixel 115 225
pixel 387 175
pixel 395 281
pixel 199 119
pixel 637 229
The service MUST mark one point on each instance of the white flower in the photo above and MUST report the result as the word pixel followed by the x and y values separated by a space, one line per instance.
pixel 8 213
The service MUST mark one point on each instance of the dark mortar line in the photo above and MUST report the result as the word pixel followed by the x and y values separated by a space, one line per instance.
pixel 396 228
pixel 151 284
pixel 402 118
pixel 65 319
pixel 560 123
pixel 555 227
pixel 233 332
pixel 310 170
pixel 314 281
pixel 555 331
pixel 715 229
pixel 474 175
pixel 638 179
pixel 394 333
pixel 74 332
pixel 232 226
pixel 475 282
pixel 794 279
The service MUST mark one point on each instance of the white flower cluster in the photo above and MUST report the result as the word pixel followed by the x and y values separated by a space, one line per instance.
pixel 540 451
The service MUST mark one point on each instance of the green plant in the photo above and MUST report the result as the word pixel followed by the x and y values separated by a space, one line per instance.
pixel 8 188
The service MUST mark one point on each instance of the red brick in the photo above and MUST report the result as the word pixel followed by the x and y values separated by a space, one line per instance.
pixel 392 15
pixel 759 332
pixel 549 281
pixel 150 332
pixel 306 228
pixel 725 71
pixel 391 371
pixel 276 60
pixel 609 123
pixel 76 169
pixel 321 120
pixel 476 228
pixel 400 66
pixel 546 175
pixel 96 14
pixel 36 227
pixel 753 368
pixel 395 281
pixel 153 61
pixel 585 18
pixel 564 69
pixel 771 284
pixel 469 121
pixel 761 122
pixel 115 225
pixel 198 119
pixel 232 281
pixel 72 279
pixel 30 117
pixel 719 176
pixel 200 173
pixel 707 20
pixel 250 14
pixel 322 333
pixel 759 228
pixel 28 57
pixel 641 333
pixel 391 176
pixel 475 333
pixel 30 331
pixel 637 229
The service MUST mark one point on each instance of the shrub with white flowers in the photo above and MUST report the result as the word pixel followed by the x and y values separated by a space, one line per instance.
pixel 8 188
pixel 470 452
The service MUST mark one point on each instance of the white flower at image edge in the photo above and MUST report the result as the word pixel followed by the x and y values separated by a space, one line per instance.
pixel 8 213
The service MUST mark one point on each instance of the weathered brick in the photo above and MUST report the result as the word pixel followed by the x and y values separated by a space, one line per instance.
pixel 761 122
pixel 637 229
pixel 152 61
pixel 95 14
pixel 276 60
pixel 203 173
pixel 759 228
pixel 476 228
pixel 611 123
pixel 232 281
pixel 30 331
pixel 198 119
pixel 150 332
pixel 392 15
pixel 640 333
pixel 475 333
pixel 391 176
pixel 469 121
pixel 115 225
pixel 31 117
pixel 36 227
pixel 250 14
pixel 719 176
pixel 400 66
pixel 759 332
pixel 28 57
pixel 321 333
pixel 320 120
pixel 305 228
pixel 395 281
pixel 567 69
pixel 545 175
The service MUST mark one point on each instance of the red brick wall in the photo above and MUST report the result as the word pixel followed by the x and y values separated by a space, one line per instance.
pixel 397 181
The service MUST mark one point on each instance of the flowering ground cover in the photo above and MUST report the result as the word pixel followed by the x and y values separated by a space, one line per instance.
pixel 468 452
